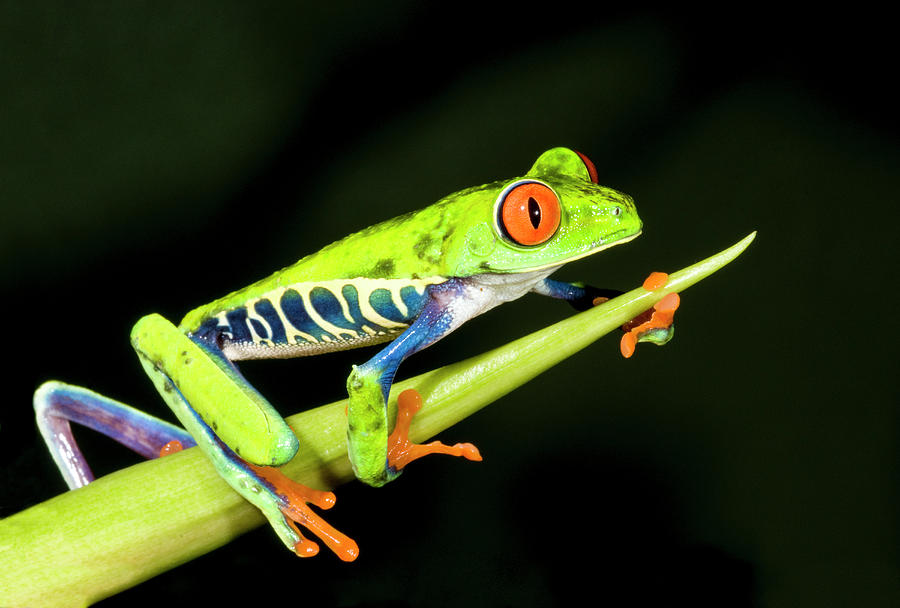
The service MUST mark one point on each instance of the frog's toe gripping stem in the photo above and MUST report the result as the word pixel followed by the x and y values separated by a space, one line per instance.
pixel 284 502
pixel 656 325
pixel 291 501
pixel 401 451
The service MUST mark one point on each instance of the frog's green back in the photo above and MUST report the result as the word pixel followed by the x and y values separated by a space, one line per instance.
pixel 414 246
pixel 458 236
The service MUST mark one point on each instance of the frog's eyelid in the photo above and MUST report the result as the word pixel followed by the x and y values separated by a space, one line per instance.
pixel 591 169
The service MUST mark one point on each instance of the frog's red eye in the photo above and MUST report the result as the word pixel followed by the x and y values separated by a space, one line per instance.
pixel 591 169
pixel 529 213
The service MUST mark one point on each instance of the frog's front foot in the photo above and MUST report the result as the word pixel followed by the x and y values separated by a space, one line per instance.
pixel 401 451
pixel 378 457
pixel 656 325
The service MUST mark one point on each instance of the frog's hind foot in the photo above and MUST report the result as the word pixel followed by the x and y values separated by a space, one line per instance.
pixel 292 499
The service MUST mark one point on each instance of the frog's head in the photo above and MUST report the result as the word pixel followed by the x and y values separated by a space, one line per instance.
pixel 553 214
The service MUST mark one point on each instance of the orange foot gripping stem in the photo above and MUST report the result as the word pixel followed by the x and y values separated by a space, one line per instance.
pixel 293 499
pixel 654 325
pixel 401 451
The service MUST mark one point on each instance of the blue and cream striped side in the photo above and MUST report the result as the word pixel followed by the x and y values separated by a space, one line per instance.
pixel 310 318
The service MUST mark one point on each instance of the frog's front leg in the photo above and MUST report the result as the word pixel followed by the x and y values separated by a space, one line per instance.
pixel 206 392
pixel 655 325
pixel 580 296
pixel 375 455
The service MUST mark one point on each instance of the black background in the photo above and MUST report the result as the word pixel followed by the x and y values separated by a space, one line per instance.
pixel 153 158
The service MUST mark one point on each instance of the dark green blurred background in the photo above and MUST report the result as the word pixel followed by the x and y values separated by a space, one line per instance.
pixel 153 158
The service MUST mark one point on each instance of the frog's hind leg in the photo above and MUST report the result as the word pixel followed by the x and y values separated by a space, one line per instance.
pixel 57 405
pixel 238 430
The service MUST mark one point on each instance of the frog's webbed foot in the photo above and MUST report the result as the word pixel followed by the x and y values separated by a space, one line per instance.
pixel 401 451
pixel 656 325
pixel 292 500
pixel 285 503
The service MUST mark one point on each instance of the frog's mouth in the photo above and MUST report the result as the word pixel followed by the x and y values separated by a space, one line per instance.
pixel 613 239
pixel 610 241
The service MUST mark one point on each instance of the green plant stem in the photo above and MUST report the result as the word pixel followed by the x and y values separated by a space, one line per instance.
pixel 90 543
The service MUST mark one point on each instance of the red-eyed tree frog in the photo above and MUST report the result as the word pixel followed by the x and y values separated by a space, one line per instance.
pixel 408 281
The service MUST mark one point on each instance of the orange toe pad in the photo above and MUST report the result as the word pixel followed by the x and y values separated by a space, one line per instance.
pixel 401 451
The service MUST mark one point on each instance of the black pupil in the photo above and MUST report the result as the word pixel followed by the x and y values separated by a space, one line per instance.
pixel 534 212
